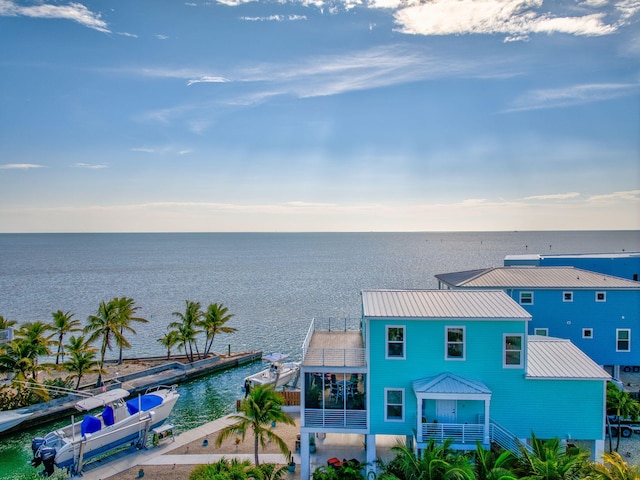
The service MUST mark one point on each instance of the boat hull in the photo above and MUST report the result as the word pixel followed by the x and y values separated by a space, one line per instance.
pixel 277 378
pixel 118 424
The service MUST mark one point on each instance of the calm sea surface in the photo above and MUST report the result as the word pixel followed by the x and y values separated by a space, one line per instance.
pixel 274 284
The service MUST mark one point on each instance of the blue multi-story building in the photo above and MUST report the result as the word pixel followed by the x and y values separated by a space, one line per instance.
pixel 599 313
pixel 436 364
pixel 619 264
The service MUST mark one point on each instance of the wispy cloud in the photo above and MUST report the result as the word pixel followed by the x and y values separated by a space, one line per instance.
pixel 207 79
pixel 90 166
pixel 572 95
pixel 554 196
pixel 275 18
pixel 20 166
pixel 71 11
pixel 625 195
pixel 162 37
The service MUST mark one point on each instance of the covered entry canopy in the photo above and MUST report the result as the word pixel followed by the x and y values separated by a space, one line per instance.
pixel 450 386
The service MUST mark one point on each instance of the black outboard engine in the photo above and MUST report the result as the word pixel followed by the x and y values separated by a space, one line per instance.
pixel 36 443
pixel 48 455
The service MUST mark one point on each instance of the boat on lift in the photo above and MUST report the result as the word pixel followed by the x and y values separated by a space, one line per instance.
pixel 117 423
pixel 11 418
pixel 278 374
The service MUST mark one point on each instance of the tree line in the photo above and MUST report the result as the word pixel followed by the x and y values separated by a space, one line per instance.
pixel 81 350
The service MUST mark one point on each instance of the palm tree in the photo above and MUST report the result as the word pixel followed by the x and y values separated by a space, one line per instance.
pixel 170 340
pixel 16 358
pixel 620 402
pixel 38 343
pixel 550 461
pixel 187 327
pixel 82 360
pixel 6 323
pixel 104 325
pixel 63 323
pixel 490 465
pixel 213 322
pixel 613 468
pixel 125 315
pixel 435 462
pixel 262 407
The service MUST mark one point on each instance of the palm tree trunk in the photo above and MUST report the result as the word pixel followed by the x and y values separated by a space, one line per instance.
pixel 103 353
pixel 255 449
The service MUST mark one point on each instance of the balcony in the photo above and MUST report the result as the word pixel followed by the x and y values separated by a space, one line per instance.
pixel 459 433
pixel 333 343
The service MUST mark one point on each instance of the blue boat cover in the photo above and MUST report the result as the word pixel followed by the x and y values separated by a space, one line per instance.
pixel 146 402
pixel 90 424
pixel 107 416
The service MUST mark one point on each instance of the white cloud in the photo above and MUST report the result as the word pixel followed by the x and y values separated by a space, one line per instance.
pixel 72 11
pixel 555 196
pixel 275 18
pixel 207 79
pixel 20 166
pixel 572 95
pixel 90 166
pixel 162 37
pixel 515 18
pixel 625 195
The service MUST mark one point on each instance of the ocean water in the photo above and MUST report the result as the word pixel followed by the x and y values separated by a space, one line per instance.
pixel 273 283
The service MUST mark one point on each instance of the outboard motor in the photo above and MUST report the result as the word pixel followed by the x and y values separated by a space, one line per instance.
pixel 48 455
pixel 36 444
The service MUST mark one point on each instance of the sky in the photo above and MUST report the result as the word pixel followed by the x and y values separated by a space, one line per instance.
pixel 314 115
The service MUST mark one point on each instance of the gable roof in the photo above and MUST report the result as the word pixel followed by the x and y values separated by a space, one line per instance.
pixel 450 383
pixel 549 357
pixel 469 304
pixel 534 277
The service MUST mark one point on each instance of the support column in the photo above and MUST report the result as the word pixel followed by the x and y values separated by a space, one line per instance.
pixel 597 452
pixel 305 457
pixel 487 415
pixel 371 453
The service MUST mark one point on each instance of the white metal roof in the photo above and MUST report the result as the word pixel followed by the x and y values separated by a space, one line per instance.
pixel 450 383
pixel 573 255
pixel 535 277
pixel 549 357
pixel 470 304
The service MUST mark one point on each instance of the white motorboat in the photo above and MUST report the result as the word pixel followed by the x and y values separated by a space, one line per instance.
pixel 117 423
pixel 278 374
pixel 11 418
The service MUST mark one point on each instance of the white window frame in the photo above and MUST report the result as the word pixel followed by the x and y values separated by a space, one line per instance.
pixel 584 333
pixel 604 297
pixel 464 342
pixel 403 343
pixel 529 302
pixel 505 350
pixel 387 404
pixel 618 339
pixel 543 332
pixel 567 297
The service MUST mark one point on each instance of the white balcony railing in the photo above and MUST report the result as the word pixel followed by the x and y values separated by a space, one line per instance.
pixel 334 357
pixel 335 418
pixel 460 433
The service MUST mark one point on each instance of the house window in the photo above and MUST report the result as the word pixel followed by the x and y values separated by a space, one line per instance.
pixel 395 342
pixel 601 296
pixel 512 350
pixel 455 343
pixel 526 298
pixel 394 405
pixel 543 332
pixel 567 296
pixel 587 333
pixel 623 340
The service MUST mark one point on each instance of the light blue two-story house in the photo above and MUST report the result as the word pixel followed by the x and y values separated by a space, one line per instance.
pixel 436 364
pixel 599 313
